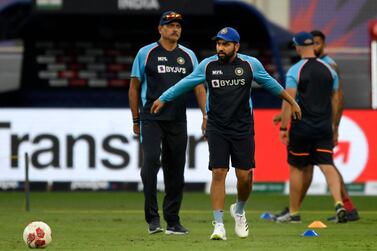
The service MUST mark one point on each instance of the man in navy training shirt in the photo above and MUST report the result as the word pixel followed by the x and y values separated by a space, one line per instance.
pixel 315 86
pixel 157 67
pixel 230 126
pixel 319 50
pixel 351 212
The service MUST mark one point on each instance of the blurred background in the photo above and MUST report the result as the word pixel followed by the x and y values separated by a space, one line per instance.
pixel 65 71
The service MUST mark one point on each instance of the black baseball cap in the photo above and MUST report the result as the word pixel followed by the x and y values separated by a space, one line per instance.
pixel 169 17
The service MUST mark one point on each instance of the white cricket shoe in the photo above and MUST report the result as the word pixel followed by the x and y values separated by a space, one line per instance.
pixel 219 232
pixel 241 228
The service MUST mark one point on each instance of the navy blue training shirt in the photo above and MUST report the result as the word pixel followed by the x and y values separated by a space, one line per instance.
pixel 315 82
pixel 229 104
pixel 157 70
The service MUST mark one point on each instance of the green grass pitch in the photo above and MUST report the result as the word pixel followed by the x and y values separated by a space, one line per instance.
pixel 115 221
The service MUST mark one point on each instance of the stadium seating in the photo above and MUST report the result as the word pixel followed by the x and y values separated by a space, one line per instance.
pixel 83 64
pixel 73 60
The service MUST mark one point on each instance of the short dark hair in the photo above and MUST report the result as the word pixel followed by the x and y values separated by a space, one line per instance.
pixel 318 33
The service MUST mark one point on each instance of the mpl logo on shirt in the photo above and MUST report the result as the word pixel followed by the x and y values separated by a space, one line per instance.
pixel 163 59
pixel 217 72
pixel 170 69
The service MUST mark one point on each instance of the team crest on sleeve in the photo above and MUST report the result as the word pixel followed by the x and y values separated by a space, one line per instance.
pixel 238 71
pixel 180 60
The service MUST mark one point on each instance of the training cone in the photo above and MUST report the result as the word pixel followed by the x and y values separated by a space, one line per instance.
pixel 317 224
pixel 267 216
pixel 310 233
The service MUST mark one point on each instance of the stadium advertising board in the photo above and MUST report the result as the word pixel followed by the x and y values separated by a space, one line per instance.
pixel 98 145
pixel 355 156
pixel 123 6
pixel 373 60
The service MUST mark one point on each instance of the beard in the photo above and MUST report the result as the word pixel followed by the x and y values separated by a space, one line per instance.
pixel 317 53
pixel 226 57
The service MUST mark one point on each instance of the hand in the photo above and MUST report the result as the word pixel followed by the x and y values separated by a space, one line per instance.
pixel 276 119
pixel 157 106
pixel 136 128
pixel 284 137
pixel 204 128
pixel 296 111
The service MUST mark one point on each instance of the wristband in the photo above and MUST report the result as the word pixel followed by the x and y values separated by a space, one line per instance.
pixel 283 129
pixel 205 117
pixel 136 120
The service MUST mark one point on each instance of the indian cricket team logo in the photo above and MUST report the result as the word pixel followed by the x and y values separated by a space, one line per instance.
pixel 238 71
pixel 180 60
pixel 224 31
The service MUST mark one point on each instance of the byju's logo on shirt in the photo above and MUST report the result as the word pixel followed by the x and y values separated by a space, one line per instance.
pixel 170 69
pixel 217 83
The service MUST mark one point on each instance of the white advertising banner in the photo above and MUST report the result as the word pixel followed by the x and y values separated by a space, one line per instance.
pixel 98 145
pixel 85 145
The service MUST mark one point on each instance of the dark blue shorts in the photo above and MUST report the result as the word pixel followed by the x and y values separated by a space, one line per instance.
pixel 240 149
pixel 303 151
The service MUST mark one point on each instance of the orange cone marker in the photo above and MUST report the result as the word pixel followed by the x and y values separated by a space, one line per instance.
pixel 317 224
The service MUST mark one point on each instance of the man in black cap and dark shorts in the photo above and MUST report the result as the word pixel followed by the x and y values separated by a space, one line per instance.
pixel 315 86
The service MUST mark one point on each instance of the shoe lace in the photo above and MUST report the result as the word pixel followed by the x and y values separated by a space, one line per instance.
pixel 241 219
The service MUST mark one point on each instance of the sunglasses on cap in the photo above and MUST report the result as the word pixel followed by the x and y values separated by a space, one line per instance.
pixel 172 16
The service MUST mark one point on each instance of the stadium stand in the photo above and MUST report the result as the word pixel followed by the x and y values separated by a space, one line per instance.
pixel 84 60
